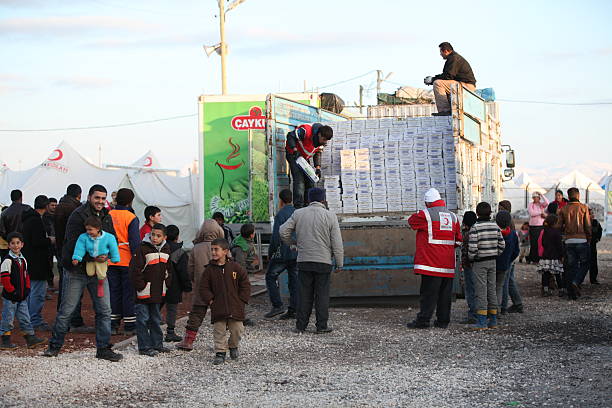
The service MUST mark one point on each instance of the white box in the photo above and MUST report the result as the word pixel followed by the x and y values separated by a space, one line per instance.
pixel 358 125
pixel 372 124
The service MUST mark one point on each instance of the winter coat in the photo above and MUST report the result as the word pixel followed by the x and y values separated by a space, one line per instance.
pixel 49 223
pixel 511 250
pixel 15 278
pixel 229 289
pixel 438 233
pixel 11 219
pixel 67 204
pixel 575 221
pixel 465 260
pixel 278 250
pixel 75 227
pixel 485 241
pixel 36 246
pixel 458 69
pixel 104 244
pixel 200 256
pixel 536 211
pixel 304 140
pixel 552 244
pixel 180 277
pixel 317 234
pixel 243 252
pixel 125 224
pixel 596 232
pixel 151 272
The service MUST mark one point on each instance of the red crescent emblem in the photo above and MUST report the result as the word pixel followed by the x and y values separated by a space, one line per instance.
pixel 148 162
pixel 58 156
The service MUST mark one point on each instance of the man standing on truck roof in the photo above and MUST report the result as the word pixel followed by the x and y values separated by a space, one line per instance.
pixel 456 71
pixel 306 141
pixel 438 234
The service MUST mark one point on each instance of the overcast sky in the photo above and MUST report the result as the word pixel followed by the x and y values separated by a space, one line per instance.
pixel 75 63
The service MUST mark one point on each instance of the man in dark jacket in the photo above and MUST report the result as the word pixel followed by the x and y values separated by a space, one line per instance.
pixel 36 250
pixel 11 221
pixel 77 280
pixel 282 257
pixel 49 222
pixel 227 231
pixel 180 281
pixel 456 71
pixel 67 204
pixel 596 233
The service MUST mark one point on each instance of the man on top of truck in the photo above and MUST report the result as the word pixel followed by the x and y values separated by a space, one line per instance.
pixel 306 141
pixel 456 70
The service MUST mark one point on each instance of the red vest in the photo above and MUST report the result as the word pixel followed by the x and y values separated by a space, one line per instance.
pixel 306 147
pixel 438 233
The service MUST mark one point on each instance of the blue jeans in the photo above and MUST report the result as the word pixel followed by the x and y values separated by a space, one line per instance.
pixel 577 262
pixel 148 330
pixel 18 310
pixel 36 301
pixel 511 290
pixel 74 285
pixel 275 268
pixel 470 291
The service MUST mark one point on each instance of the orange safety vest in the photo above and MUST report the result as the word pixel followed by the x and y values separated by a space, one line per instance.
pixel 121 222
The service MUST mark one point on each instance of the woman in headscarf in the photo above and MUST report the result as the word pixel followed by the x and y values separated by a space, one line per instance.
pixel 537 214
pixel 198 259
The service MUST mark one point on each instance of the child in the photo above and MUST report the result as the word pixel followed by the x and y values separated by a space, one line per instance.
pixel 243 249
pixel 469 219
pixel 551 253
pixel 503 263
pixel 485 244
pixel 16 284
pixel 226 289
pixel 95 242
pixel 152 216
pixel 151 274
pixel 180 282
pixel 523 236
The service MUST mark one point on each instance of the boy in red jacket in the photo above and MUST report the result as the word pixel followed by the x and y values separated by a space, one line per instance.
pixel 226 288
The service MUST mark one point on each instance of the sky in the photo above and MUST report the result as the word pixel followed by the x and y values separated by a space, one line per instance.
pixel 75 63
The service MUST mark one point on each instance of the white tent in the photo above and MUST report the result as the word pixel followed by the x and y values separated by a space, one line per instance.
pixel 148 160
pixel 590 191
pixel 518 191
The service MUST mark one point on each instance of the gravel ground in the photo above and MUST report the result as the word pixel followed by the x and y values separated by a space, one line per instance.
pixel 557 353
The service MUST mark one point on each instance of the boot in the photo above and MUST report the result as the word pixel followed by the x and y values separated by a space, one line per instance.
pixel 481 320
pixel 492 323
pixel 33 341
pixel 219 358
pixel 171 336
pixel 6 343
pixel 187 343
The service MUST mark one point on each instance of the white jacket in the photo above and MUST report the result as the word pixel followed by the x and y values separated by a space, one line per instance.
pixel 318 235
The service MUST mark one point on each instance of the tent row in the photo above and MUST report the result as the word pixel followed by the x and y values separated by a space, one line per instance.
pixel 175 196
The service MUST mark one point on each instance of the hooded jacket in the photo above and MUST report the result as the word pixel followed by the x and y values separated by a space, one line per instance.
pixel 180 278
pixel 278 250
pixel 67 204
pixel 200 256
pixel 243 252
pixel 151 271
pixel 36 246
pixel 438 234
pixel 229 289
pixel 511 250
pixel 104 244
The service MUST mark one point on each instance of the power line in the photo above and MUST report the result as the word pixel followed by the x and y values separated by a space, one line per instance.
pixel 347 80
pixel 142 122
pixel 555 103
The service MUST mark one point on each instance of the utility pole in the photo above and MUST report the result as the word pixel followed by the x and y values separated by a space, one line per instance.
pixel 379 81
pixel 360 98
pixel 223 46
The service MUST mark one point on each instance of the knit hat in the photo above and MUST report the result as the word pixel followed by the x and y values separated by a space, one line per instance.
pixel 316 194
pixel 503 219
pixel 469 218
pixel 432 195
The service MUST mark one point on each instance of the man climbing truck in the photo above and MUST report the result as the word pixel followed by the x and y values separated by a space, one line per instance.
pixel 456 70
pixel 305 141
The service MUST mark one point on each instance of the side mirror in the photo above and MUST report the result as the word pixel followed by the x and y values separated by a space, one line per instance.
pixel 510 161
pixel 508 174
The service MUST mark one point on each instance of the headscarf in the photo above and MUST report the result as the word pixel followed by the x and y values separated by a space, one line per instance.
pixel 209 231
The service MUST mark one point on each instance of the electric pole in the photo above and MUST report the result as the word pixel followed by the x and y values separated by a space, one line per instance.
pixel 360 98
pixel 223 46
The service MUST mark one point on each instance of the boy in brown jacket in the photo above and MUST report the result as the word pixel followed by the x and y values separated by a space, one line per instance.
pixel 226 288
pixel 151 274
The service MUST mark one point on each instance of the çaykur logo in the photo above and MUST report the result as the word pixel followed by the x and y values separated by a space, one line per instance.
pixel 255 120
pixel 53 161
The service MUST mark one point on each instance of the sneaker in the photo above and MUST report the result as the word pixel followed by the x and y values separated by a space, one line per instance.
pixel 51 351
pixel 163 349
pixel 289 315
pixel 108 354
pixel 219 358
pixel 234 353
pixel 324 330
pixel 274 312
pixel 417 325
pixel 172 337
pixel 595 283
pixel 149 352
pixel 576 289
pixel 248 322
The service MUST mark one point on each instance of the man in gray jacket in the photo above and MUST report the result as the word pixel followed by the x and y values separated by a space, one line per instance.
pixel 318 238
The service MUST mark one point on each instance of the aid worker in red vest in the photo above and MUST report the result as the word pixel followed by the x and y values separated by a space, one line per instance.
pixel 122 291
pixel 306 141
pixel 438 234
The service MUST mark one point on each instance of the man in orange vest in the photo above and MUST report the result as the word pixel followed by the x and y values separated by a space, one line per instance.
pixel 126 226
pixel 306 141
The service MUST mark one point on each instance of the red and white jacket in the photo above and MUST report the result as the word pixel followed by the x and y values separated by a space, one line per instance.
pixel 438 234
pixel 301 140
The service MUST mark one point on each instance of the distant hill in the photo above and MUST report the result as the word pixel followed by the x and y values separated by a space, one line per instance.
pixel 547 176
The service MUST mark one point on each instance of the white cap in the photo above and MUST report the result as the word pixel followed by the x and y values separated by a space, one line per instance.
pixel 432 195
